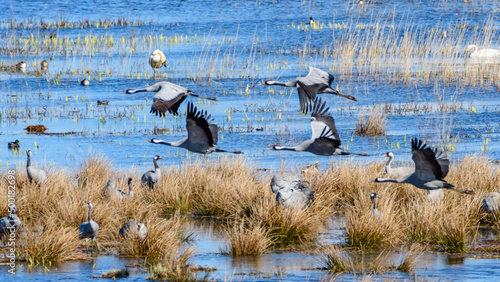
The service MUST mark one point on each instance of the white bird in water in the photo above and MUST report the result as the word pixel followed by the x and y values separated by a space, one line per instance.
pixel 152 177
pixel 430 169
pixel 481 53
pixel 85 82
pixel 39 176
pixel 89 228
pixel 133 229
pixel 325 140
pixel 396 172
pixel 491 202
pixel 157 60
pixel 168 97
pixel 316 82
pixel 375 211
pixel 202 135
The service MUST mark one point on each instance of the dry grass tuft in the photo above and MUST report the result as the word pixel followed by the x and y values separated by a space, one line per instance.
pixel 177 269
pixel 35 128
pixel 335 259
pixel 48 244
pixel 374 124
pixel 162 241
pixel 367 232
pixel 409 260
pixel 247 239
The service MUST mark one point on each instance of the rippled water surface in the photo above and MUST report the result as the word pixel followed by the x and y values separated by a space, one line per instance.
pixel 226 49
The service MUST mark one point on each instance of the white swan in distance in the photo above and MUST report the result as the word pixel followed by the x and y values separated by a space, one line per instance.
pixel 481 53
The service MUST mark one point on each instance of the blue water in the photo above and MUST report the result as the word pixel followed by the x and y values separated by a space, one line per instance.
pixel 226 49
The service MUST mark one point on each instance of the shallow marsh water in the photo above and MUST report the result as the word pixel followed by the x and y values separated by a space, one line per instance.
pixel 226 49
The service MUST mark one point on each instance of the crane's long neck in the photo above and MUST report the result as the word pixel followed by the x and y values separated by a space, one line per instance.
pixel 28 163
pixel 225 151
pixel 155 162
pixel 90 217
pixel 283 148
pixel 388 164
pixel 374 204
pixel 130 191
pixel 198 96
pixel 291 83
pixel 381 179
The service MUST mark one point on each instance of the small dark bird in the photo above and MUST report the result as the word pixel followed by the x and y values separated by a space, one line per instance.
pixel 14 145
pixel 101 103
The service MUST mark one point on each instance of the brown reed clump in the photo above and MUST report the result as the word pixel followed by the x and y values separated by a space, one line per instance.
pixel 162 241
pixel 36 128
pixel 176 268
pixel 374 124
pixel 47 243
pixel 247 239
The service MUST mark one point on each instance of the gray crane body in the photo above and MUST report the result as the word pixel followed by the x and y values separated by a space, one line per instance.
pixel 316 82
pixel 152 177
pixel 89 228
pixel 39 176
pixel 133 229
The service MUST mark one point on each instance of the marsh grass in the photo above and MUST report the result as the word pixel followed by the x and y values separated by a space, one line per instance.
pixel 338 260
pixel 247 239
pixel 409 259
pixel 230 189
pixel 48 244
pixel 161 242
pixel 334 259
pixel 373 124
pixel 177 268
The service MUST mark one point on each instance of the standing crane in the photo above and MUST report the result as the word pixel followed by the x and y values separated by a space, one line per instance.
pixel 202 135
pixel 325 140
pixel 39 176
pixel 375 211
pixel 168 97
pixel 316 82
pixel 89 228
pixel 431 167
pixel 152 177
